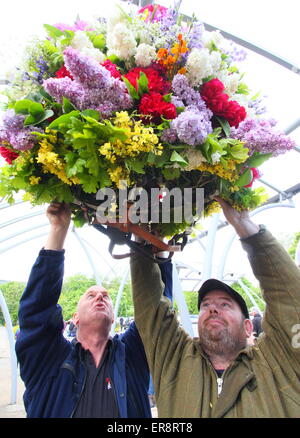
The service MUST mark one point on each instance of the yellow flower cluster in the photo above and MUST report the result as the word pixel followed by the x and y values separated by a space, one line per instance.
pixel 34 180
pixel 139 139
pixel 217 169
pixel 212 208
pixel 50 160
pixel 119 174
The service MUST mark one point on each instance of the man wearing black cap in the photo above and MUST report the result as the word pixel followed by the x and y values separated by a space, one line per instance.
pixel 217 374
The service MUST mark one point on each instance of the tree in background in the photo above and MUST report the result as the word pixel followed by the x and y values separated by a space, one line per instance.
pixel 12 292
pixel 253 289
pixel 292 249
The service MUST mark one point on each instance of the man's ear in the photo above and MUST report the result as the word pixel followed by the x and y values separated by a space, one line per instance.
pixel 248 327
pixel 75 319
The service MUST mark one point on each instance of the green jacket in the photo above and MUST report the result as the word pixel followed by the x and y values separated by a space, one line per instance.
pixel 263 381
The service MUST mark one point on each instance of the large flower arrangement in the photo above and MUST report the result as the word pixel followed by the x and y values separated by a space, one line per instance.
pixel 143 98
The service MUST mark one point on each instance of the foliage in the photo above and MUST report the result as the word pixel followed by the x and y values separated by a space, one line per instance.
pixel 12 292
pixel 254 289
pixel 293 247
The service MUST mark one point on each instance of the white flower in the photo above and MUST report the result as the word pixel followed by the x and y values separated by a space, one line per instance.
pixel 201 64
pixel 215 157
pixel 214 37
pixel 94 53
pixel 215 61
pixel 230 81
pixel 198 66
pixel 82 43
pixel 121 42
pixel 145 54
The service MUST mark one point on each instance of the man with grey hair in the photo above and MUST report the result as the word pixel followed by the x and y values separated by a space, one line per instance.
pixel 218 375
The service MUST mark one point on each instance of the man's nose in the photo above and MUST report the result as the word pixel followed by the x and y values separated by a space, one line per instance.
pixel 213 308
pixel 99 296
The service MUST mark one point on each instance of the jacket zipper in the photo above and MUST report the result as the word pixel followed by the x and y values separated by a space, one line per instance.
pixel 220 385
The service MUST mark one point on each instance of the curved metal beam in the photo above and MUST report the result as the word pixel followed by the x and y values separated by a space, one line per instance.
pixel 220 273
pixel 11 340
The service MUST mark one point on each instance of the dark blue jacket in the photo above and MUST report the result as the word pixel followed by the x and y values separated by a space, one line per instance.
pixel 51 367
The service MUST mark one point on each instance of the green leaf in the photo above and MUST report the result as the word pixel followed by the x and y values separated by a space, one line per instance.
pixel 244 179
pixel 257 160
pixel 171 173
pixel 36 109
pixel 53 32
pixel 142 84
pixel 89 113
pixel 22 106
pixel 67 106
pixel 131 89
pixel 63 120
pixel 225 125
pixel 135 165
pixel 31 120
pixel 167 97
pixel 177 158
pixel 98 41
pixel 180 109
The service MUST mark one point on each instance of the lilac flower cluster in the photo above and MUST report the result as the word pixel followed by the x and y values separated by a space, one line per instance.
pixel 168 20
pixel 93 86
pixel 259 135
pixel 258 105
pixel 37 76
pixel 196 36
pixel 235 53
pixel 13 132
pixel 79 25
pixel 187 95
pixel 192 126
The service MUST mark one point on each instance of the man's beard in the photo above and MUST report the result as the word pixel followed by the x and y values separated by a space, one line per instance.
pixel 222 342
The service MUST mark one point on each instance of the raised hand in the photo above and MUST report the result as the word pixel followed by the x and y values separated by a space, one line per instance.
pixel 59 215
pixel 240 220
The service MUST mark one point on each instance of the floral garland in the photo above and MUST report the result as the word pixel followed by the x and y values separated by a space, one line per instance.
pixel 142 97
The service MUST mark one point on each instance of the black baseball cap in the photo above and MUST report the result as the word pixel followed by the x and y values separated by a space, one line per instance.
pixel 213 284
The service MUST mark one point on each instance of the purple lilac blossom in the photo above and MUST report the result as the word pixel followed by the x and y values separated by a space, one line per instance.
pixel 93 86
pixel 79 25
pixel 235 52
pixel 192 126
pixel 195 37
pixel 169 135
pixel 184 92
pixel 260 136
pixel 168 20
pixel 258 105
pixel 13 131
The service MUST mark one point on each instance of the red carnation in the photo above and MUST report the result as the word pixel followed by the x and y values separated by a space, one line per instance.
pixel 212 92
pixel 211 89
pixel 155 81
pixel 8 154
pixel 255 174
pixel 152 104
pixel 234 113
pixel 63 72
pixel 112 68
